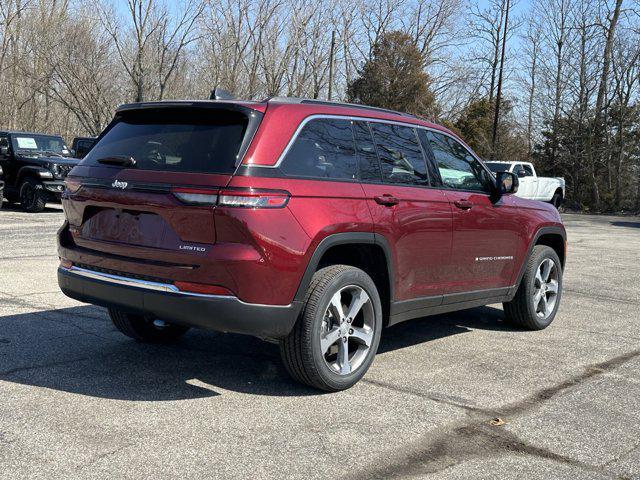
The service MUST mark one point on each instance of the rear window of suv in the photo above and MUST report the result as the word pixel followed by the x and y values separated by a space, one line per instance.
pixel 176 140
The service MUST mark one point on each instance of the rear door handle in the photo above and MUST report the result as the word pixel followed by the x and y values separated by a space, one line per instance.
pixel 463 204
pixel 386 200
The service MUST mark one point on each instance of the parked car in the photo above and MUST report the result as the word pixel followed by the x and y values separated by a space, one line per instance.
pixel 533 187
pixel 35 166
pixel 81 146
pixel 309 223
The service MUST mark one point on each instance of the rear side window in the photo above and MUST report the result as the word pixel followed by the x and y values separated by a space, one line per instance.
pixel 458 168
pixel 400 154
pixel 324 148
pixel 175 140
pixel 367 157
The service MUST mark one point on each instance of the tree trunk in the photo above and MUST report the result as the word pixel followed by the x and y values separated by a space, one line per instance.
pixel 602 90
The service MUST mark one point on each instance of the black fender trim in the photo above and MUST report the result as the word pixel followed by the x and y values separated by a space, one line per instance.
pixel 553 230
pixel 427 306
pixel 346 238
pixel 30 169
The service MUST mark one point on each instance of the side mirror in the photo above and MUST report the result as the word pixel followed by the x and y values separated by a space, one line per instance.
pixel 506 183
pixel 522 173
pixel 4 150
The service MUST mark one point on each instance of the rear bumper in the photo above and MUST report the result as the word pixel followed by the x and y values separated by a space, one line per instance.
pixel 214 312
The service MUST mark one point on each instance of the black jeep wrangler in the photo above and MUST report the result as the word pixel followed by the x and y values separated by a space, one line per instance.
pixel 34 168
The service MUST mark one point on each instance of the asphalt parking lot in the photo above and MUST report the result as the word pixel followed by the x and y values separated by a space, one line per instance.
pixel 80 400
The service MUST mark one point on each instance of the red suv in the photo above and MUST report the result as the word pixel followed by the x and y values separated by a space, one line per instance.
pixel 311 223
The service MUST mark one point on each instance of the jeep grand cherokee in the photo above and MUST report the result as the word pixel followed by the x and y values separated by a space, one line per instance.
pixel 310 223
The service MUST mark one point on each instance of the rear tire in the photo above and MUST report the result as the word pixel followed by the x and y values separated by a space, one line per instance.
pixel 145 329
pixel 538 297
pixel 32 197
pixel 335 339
pixel 556 200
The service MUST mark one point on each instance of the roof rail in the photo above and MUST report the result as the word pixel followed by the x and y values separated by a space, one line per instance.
pixel 296 100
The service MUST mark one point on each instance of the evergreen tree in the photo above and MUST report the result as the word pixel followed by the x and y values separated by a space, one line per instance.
pixel 394 78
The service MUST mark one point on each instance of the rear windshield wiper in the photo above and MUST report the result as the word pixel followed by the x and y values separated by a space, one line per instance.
pixel 120 160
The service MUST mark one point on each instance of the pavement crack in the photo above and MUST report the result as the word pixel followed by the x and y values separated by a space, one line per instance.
pixel 600 297
pixel 454 444
pixel 104 455
pixel 590 371
pixel 435 397
pixel 13 371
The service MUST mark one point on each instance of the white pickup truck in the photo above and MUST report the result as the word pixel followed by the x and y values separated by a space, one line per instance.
pixel 533 187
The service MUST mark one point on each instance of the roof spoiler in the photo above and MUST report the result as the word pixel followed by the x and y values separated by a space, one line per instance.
pixel 220 94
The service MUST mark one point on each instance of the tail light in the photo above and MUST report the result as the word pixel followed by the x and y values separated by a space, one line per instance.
pixel 252 198
pixel 238 198
pixel 72 186
pixel 196 196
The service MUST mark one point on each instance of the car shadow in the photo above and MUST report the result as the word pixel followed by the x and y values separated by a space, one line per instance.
pixel 78 350
pixel 620 223
pixel 16 208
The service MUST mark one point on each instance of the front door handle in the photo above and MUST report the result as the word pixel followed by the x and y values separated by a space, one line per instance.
pixel 463 204
pixel 386 200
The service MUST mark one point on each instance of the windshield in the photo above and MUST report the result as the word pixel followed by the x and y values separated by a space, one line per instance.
pixel 40 144
pixel 496 167
pixel 176 140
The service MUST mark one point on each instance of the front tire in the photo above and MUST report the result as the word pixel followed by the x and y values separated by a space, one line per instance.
pixel 337 335
pixel 144 329
pixel 538 297
pixel 33 198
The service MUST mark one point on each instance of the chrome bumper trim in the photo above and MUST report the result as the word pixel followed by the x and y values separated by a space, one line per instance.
pixel 135 282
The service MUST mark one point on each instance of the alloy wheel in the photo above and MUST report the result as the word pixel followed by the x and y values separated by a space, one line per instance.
pixel 545 291
pixel 347 330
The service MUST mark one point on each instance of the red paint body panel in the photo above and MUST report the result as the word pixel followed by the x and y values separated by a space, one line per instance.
pixel 419 228
pixel 486 241
pixel 261 255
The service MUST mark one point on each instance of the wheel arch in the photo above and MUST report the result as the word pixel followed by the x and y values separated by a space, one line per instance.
pixel 33 172
pixel 552 236
pixel 365 250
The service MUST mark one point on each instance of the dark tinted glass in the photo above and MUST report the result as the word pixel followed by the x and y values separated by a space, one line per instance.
pixel 458 168
pixel 367 157
pixel 432 165
pixel 83 147
pixel 528 170
pixel 323 149
pixel 498 166
pixel 180 140
pixel 400 154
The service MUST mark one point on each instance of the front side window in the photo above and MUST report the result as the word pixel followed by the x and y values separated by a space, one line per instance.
pixel 458 168
pixel 324 148
pixel 400 154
